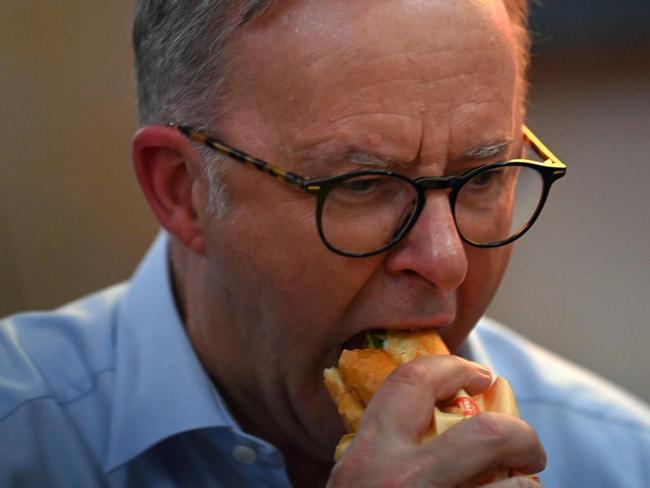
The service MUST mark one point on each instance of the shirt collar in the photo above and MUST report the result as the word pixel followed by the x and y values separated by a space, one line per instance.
pixel 161 388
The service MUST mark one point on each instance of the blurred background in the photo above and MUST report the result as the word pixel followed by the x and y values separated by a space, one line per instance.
pixel 72 219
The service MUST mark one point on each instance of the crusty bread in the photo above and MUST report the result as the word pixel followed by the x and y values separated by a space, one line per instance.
pixel 361 372
pixel 364 370
pixel 404 346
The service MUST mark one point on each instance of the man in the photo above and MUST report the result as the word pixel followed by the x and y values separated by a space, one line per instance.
pixel 206 369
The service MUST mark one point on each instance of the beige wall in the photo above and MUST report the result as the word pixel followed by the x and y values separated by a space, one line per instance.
pixel 72 220
pixel 580 281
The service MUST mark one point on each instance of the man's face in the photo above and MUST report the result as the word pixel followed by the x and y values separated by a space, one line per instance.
pixel 322 88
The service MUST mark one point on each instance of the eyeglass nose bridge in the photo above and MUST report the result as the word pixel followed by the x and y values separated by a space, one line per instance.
pixel 425 183
pixel 422 185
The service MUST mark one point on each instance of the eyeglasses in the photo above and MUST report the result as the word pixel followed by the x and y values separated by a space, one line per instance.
pixel 366 212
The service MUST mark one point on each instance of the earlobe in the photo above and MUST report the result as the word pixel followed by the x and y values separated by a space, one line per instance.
pixel 163 164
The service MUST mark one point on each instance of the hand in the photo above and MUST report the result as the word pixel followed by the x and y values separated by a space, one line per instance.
pixel 387 450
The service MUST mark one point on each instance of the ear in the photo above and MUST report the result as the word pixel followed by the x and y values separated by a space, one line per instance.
pixel 168 172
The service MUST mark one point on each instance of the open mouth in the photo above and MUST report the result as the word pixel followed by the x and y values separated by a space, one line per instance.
pixel 365 339
pixel 357 341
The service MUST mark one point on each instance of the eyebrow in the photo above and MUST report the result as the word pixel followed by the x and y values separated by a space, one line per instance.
pixel 369 159
pixel 485 151
pixel 356 155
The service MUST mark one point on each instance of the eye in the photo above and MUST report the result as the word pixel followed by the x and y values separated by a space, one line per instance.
pixel 486 178
pixel 372 190
pixel 361 185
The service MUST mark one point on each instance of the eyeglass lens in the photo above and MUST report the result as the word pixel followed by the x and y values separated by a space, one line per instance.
pixel 365 213
pixel 497 204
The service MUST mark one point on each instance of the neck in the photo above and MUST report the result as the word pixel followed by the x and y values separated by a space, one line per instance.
pixel 304 472
pixel 303 469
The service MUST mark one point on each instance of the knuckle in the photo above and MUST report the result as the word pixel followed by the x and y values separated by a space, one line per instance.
pixel 510 436
pixel 488 427
pixel 457 361
pixel 370 469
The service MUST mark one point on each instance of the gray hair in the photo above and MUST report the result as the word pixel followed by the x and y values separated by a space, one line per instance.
pixel 180 63
pixel 181 60
pixel 180 50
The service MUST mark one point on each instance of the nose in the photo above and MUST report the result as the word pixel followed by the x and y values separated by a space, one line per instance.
pixel 432 249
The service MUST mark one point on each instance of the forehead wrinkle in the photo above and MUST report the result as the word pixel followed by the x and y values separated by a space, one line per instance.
pixel 367 138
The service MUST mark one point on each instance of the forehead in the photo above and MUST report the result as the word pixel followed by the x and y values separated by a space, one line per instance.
pixel 386 70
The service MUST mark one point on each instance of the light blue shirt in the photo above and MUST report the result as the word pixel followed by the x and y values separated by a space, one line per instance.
pixel 107 391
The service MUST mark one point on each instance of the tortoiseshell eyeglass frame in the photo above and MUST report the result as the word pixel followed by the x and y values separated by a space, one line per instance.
pixel 550 170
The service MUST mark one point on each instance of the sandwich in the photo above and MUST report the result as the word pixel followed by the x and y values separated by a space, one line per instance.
pixel 361 372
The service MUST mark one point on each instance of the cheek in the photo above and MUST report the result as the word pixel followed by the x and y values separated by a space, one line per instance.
pixel 486 268
pixel 281 275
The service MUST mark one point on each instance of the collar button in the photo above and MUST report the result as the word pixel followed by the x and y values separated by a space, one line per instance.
pixel 244 454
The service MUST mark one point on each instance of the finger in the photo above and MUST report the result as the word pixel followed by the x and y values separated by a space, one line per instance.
pixel 481 443
pixel 517 482
pixel 403 406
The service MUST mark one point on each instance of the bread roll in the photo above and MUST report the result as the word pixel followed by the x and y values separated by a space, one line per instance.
pixel 361 372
